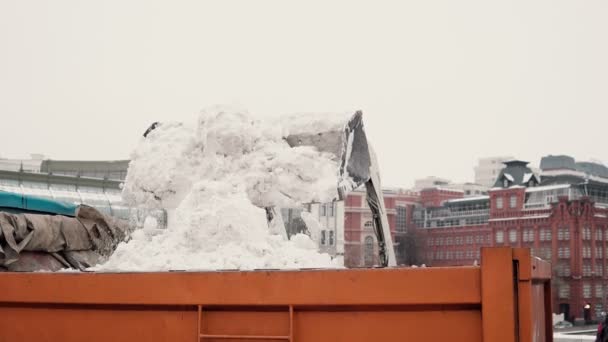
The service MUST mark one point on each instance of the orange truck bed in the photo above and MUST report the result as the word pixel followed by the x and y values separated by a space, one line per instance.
pixel 507 299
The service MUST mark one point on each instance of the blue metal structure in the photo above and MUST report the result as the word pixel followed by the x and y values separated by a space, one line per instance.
pixel 14 202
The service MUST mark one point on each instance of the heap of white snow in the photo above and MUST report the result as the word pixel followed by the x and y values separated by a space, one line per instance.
pixel 215 176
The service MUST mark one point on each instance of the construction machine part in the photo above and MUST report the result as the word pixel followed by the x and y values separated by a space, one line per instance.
pixel 357 166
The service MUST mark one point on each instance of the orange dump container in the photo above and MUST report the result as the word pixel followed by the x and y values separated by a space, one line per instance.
pixel 506 299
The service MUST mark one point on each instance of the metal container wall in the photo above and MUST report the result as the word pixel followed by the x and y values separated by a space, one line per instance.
pixel 503 300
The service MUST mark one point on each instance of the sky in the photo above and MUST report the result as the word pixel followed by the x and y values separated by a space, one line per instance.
pixel 441 83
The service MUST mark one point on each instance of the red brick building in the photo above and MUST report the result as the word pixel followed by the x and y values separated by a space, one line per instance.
pixel 564 220
pixel 435 197
pixel 360 243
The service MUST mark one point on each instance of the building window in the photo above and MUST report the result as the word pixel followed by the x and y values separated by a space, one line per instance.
pixel 401 218
pixel 323 210
pixel 586 270
pixel 599 308
pixel 563 233
pixel 448 241
pixel 547 253
pixel 512 236
pixel 368 224
pixel 330 207
pixel 598 235
pixel 527 235
pixel 430 241
pixel 563 252
pixel 586 233
pixel 369 251
pixel 586 252
pixel 331 237
pixel 323 233
pixel 500 236
pixel 563 270
pixel 548 235
pixel 599 290
pixel 469 240
pixel 513 202
pixel 564 291
pixel 586 290
pixel 505 183
pixel 499 203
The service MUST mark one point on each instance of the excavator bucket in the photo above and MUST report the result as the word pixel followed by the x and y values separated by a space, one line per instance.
pixel 357 167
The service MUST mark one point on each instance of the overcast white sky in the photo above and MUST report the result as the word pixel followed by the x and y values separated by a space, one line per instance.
pixel 441 83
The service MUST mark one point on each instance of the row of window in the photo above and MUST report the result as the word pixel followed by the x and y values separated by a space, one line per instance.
pixel 563 234
pixel 512 202
pixel 563 252
pixel 564 291
pixel 459 240
pixel 454 255
pixel 327 209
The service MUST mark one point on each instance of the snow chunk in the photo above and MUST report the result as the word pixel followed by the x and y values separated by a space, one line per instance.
pixel 215 176
pixel 307 123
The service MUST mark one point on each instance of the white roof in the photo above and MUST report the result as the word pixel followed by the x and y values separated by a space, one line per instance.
pixel 520 218
pixel 548 187
pixel 575 173
pixel 527 177
pixel 509 177
pixel 468 199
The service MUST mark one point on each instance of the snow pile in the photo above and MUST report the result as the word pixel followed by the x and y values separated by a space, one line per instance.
pixel 216 176
pixel 304 123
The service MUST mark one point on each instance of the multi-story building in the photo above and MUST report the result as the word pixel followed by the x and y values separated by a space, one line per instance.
pixel 488 169
pixel 563 219
pixel 430 182
pixel 470 189
pixel 360 243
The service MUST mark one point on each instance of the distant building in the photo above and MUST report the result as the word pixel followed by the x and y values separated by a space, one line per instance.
pixel 430 182
pixel 469 189
pixel 104 169
pixel 562 217
pixel 360 243
pixel 26 165
pixel 488 169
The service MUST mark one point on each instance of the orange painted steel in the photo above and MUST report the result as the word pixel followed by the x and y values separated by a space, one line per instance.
pixel 504 300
